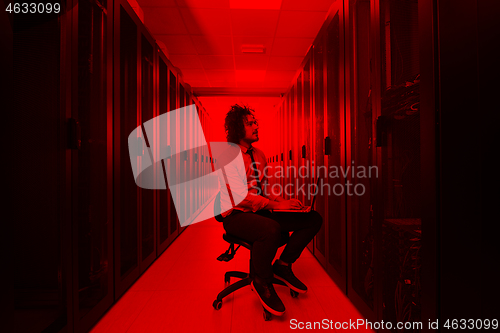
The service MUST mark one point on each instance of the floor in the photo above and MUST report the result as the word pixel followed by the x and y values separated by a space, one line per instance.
pixel 176 293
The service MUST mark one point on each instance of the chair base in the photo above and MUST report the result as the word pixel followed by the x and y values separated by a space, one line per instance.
pixel 246 279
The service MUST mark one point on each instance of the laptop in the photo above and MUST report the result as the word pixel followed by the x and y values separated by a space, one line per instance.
pixel 305 209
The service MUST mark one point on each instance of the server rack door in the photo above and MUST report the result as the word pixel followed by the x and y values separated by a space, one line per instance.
pixel 361 232
pixel 126 198
pixel 308 142
pixel 292 156
pixel 201 164
pixel 284 116
pixel 398 142
pixel 91 167
pixel 284 152
pixel 340 186
pixel 188 137
pixel 198 135
pixel 184 159
pixel 173 165
pixel 307 100
pixel 300 139
pixel 194 136
pixel 272 165
pixel 202 153
pixel 41 252
pixel 147 196
pixel 282 145
pixel 319 137
pixel 361 236
pixel 164 198
pixel 190 162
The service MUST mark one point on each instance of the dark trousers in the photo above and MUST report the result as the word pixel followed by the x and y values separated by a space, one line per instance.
pixel 265 230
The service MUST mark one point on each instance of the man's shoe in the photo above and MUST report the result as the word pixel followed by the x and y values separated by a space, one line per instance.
pixel 285 274
pixel 268 297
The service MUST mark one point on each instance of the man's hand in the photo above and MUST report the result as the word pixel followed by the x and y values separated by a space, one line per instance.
pixel 298 202
pixel 290 204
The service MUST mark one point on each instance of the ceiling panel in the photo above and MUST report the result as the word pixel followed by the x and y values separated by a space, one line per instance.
pixel 290 47
pixel 190 75
pixel 285 63
pixel 248 84
pixel 177 44
pixel 221 84
pixel 255 4
pixel 157 3
pixel 198 83
pixel 251 61
pixel 216 75
pixel 250 75
pixel 213 45
pixel 300 24
pixel 251 22
pixel 164 21
pixel 277 84
pixel 186 61
pixel 204 40
pixel 217 62
pixel 309 5
pixel 280 75
pixel 203 21
pixel 203 3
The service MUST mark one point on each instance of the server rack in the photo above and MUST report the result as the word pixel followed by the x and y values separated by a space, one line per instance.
pixel 100 231
pixel 365 114
pixel 41 260
pixel 91 161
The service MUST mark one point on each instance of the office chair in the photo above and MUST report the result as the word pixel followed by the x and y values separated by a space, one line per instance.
pixel 246 278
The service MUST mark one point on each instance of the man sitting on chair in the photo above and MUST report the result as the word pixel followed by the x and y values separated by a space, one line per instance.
pixel 252 219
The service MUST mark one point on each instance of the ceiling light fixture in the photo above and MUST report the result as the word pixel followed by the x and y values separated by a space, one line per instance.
pixel 253 49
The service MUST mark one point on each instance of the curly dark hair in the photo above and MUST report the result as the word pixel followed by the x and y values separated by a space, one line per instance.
pixel 235 122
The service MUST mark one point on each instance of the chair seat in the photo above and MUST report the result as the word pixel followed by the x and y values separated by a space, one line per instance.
pixel 236 240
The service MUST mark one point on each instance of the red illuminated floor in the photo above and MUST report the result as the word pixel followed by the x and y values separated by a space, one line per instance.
pixel 176 293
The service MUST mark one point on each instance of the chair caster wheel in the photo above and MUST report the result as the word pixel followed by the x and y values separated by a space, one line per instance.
pixel 294 293
pixel 217 304
pixel 267 315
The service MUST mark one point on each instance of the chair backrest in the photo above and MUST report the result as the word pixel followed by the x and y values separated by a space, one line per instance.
pixel 217 208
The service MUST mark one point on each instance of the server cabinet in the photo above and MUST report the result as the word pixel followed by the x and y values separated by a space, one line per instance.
pixel 319 136
pixel 300 159
pixel 339 188
pixel 133 104
pixel 184 164
pixel 190 162
pixel 146 113
pixel 166 208
pixel 291 155
pixel 196 159
pixel 285 116
pixel 308 133
pixel 281 144
pixel 398 206
pixel 174 163
pixel 91 163
pixel 41 261
pixel 360 148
